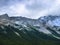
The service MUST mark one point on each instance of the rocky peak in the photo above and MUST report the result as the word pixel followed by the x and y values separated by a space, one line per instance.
pixel 4 16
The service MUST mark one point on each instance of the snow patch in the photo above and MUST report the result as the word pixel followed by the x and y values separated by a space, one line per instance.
pixel 2 27
pixel 55 22
pixel 17 33
pixel 56 37
pixel 44 31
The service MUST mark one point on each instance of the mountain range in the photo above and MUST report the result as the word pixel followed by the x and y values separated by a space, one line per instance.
pixel 25 31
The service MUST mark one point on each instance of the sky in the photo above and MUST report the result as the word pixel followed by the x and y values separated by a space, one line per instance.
pixel 30 8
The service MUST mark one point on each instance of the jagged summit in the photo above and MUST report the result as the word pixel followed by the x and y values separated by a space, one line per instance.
pixel 4 16
pixel 51 20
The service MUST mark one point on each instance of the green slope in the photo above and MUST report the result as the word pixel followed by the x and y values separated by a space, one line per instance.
pixel 26 37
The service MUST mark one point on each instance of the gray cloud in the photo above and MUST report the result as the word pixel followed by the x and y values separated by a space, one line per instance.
pixel 8 2
pixel 30 8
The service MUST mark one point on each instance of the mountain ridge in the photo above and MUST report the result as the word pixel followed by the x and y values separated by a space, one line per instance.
pixel 25 31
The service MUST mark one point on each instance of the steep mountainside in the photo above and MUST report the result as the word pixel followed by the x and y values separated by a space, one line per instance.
pixel 25 31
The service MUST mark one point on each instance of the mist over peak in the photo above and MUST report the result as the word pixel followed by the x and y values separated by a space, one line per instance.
pixel 30 8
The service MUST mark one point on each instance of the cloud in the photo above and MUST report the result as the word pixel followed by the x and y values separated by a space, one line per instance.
pixel 30 8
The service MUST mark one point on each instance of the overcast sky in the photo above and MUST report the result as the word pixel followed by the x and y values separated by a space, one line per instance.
pixel 30 8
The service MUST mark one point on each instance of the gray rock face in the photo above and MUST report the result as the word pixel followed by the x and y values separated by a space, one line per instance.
pixel 4 16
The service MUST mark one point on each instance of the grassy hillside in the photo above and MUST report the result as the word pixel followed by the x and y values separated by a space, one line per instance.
pixel 33 37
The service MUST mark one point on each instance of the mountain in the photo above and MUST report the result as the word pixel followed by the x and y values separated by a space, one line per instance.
pixel 4 16
pixel 25 21
pixel 50 19
pixel 25 31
